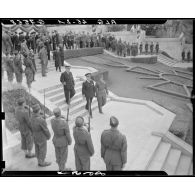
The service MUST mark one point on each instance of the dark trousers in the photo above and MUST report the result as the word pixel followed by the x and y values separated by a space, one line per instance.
pixel 41 151
pixel 26 141
pixel 89 100
pixel 101 101
pixel 48 54
pixel 61 156
pixel 69 93
pixel 58 67
pixel 110 167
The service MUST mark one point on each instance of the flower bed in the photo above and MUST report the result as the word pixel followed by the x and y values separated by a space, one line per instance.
pixel 82 52
pixel 10 99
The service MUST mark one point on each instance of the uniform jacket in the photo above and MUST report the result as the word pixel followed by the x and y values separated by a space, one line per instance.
pixel 113 147
pixel 30 69
pixel 57 58
pixel 39 127
pixel 18 65
pixel 88 89
pixel 22 116
pixel 61 131
pixel 68 78
pixel 101 88
pixel 43 56
pixel 83 142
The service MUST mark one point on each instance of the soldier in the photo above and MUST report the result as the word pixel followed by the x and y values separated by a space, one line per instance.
pixel 32 58
pixel 7 45
pixel 44 59
pixel 61 138
pixel 16 42
pixel 57 59
pixel 183 55
pixel 114 147
pixel 128 49
pixel 9 66
pixel 61 50
pixel 146 48
pixel 101 93
pixel 157 47
pixel 151 48
pixel 47 45
pixel 29 70
pixel 83 148
pixel 88 92
pixel 189 56
pixel 140 48
pixel 24 48
pixel 23 118
pixel 18 67
pixel 40 134
pixel 68 83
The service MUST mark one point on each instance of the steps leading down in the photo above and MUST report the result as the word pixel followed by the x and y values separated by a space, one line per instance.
pixel 165 60
pixel 158 155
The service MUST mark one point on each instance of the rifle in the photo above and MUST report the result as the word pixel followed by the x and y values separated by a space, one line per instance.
pixel 89 116
pixel 68 106
pixel 29 102
pixel 44 103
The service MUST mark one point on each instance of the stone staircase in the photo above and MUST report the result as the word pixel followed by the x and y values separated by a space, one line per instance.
pixel 165 60
pixel 167 153
pixel 55 95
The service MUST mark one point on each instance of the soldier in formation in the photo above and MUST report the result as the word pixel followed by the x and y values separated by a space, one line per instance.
pixel 83 148
pixel 41 135
pixel 61 138
pixel 88 92
pixel 101 93
pixel 23 117
pixel 114 147
pixel 44 59
pixel 18 67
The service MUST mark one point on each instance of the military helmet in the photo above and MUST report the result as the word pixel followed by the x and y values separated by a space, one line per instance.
pixel 79 122
pixel 114 121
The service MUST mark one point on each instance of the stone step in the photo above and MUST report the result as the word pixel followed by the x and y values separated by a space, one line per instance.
pixel 165 61
pixel 166 58
pixel 190 172
pixel 184 165
pixel 60 90
pixel 159 157
pixel 61 102
pixel 75 102
pixel 145 156
pixel 172 161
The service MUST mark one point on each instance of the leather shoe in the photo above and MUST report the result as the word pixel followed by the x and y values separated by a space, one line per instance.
pixel 44 164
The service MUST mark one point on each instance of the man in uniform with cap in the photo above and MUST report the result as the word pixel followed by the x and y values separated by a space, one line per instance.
pixel 140 48
pixel 68 83
pixel 83 148
pixel 101 93
pixel 18 67
pixel 151 48
pixel 23 118
pixel 88 92
pixel 61 138
pixel 146 47
pixel 114 147
pixel 157 47
pixel 44 58
pixel 9 67
pixel 40 134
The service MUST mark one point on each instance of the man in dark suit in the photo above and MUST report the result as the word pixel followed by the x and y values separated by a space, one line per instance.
pixel 88 91
pixel 40 134
pixel 83 148
pixel 68 83
pixel 114 147
pixel 61 138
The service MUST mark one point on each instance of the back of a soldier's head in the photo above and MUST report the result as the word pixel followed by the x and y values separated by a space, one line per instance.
pixel 79 122
pixel 114 121
pixel 57 112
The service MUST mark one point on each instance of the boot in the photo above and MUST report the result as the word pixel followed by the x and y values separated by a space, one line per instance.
pixel 44 164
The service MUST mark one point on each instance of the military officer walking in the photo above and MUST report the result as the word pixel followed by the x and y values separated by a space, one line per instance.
pixel 88 92
pixel 18 67
pixel 44 59
pixel 23 118
pixel 114 147
pixel 68 83
pixel 101 93
pixel 9 67
pixel 40 134
pixel 83 148
pixel 61 138
pixel 146 47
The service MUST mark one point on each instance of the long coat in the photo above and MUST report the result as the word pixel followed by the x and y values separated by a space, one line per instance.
pixel 61 131
pixel 9 66
pixel 57 58
pixel 88 89
pixel 113 147
pixel 39 127
pixel 68 78
pixel 18 68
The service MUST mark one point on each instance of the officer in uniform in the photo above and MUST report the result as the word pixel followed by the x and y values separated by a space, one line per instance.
pixel 183 55
pixel 57 59
pixel 23 118
pixel 83 148
pixel 101 93
pixel 44 59
pixel 9 67
pixel 68 83
pixel 140 48
pixel 88 91
pixel 146 47
pixel 61 138
pixel 114 147
pixel 29 70
pixel 157 47
pixel 40 134
pixel 151 48
pixel 18 67
pixel 189 56
pixel 32 58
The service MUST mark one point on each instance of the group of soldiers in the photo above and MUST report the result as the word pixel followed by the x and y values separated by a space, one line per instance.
pixel 186 56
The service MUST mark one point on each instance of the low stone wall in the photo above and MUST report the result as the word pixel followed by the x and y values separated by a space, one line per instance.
pixel 82 52
pixel 146 60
